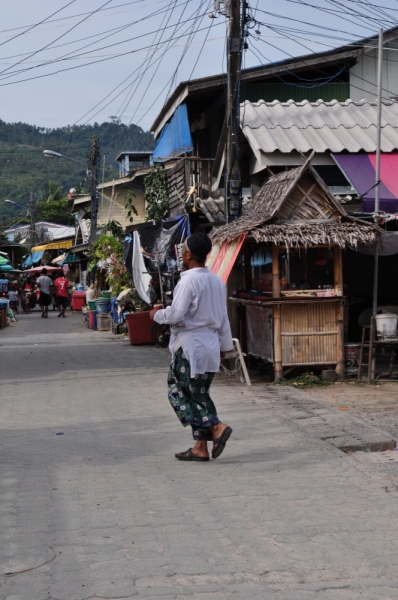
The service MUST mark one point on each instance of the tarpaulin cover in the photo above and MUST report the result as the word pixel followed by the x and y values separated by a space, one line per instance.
pixel 158 236
pixel 222 257
pixel 360 170
pixel 33 258
pixel 175 138
pixel 162 235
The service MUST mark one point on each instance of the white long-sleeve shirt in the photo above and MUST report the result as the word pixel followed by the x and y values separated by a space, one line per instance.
pixel 199 320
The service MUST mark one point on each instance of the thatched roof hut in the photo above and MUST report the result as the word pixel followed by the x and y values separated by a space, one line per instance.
pixel 295 208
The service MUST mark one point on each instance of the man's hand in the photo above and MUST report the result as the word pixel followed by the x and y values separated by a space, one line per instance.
pixel 152 314
pixel 224 354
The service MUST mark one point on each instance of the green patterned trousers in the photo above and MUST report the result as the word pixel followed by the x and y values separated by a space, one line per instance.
pixel 190 397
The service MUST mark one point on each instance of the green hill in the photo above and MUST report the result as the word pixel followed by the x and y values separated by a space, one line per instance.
pixel 24 168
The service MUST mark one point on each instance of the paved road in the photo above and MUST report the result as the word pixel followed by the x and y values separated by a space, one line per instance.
pixel 280 515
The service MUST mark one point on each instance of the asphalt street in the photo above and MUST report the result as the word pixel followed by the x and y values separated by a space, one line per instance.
pixel 93 504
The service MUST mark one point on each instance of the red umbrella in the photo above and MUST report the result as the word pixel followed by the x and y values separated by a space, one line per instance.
pixel 39 269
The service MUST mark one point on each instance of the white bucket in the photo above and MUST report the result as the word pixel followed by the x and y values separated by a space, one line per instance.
pixel 386 325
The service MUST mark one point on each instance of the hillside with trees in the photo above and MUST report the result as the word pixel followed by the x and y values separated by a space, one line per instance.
pixel 24 168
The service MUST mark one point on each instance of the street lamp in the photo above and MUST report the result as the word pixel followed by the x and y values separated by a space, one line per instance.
pixel 92 175
pixel 30 213
pixel 51 153
pixel 17 204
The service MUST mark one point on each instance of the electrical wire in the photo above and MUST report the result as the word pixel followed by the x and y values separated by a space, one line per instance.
pixel 80 15
pixel 108 34
pixel 37 24
pixel 201 50
pixel 58 38
pixel 86 54
pixel 314 54
pixel 159 58
pixel 132 94
pixel 88 37
pixel 85 64
pixel 190 38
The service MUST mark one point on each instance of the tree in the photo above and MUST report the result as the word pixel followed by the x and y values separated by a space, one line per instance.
pixel 54 211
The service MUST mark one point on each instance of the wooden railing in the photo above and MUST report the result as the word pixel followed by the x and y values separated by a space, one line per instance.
pixel 186 174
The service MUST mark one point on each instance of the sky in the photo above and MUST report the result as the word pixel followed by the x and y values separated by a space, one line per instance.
pixel 69 62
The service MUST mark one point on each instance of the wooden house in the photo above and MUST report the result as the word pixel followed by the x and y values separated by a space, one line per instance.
pixel 295 303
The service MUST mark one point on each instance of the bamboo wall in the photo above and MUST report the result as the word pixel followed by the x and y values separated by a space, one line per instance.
pixel 309 333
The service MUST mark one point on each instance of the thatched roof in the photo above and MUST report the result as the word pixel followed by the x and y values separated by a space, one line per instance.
pixel 295 208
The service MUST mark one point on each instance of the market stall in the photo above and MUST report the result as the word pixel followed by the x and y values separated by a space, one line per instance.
pixel 290 270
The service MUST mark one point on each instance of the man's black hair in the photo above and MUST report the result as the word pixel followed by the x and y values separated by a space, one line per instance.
pixel 44 271
pixel 199 245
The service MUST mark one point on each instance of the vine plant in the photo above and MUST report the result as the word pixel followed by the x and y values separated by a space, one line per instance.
pixel 155 196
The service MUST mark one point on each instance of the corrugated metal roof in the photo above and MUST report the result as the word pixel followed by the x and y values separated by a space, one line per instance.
pixel 321 126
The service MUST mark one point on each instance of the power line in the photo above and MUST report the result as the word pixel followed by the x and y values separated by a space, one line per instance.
pixel 73 54
pixel 147 59
pixel 115 29
pixel 73 16
pixel 37 24
pixel 58 38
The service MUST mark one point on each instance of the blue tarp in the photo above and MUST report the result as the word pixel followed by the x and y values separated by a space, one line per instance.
pixel 175 138
pixel 33 258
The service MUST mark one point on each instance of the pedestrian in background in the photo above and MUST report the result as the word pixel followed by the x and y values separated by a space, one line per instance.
pixel 13 298
pixel 45 285
pixel 61 294
pixel 200 334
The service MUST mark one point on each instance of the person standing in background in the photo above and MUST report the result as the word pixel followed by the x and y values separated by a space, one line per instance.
pixel 45 285
pixel 61 294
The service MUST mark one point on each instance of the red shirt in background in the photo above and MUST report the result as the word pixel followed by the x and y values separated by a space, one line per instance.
pixel 61 287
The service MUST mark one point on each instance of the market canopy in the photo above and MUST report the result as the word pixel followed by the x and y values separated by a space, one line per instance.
pixel 39 269
pixel 54 246
pixel 33 258
pixel 175 138
pixel 360 170
pixel 59 259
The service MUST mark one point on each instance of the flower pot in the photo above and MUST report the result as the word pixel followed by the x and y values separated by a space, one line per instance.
pixel 139 327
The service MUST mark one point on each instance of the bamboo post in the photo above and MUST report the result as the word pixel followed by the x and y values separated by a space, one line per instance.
pixel 276 284
pixel 338 288
pixel 277 343
pixel 276 293
pixel 338 271
pixel 340 368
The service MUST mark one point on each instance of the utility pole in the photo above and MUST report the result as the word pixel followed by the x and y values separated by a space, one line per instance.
pixel 32 221
pixel 233 186
pixel 378 152
pixel 94 162
pixel 377 186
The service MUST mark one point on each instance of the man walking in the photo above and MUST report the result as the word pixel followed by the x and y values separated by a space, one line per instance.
pixel 44 284
pixel 61 294
pixel 200 333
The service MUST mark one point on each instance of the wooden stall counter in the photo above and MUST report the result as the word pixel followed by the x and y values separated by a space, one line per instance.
pixel 302 331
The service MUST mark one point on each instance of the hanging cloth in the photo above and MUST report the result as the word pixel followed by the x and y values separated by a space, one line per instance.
pixel 140 275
